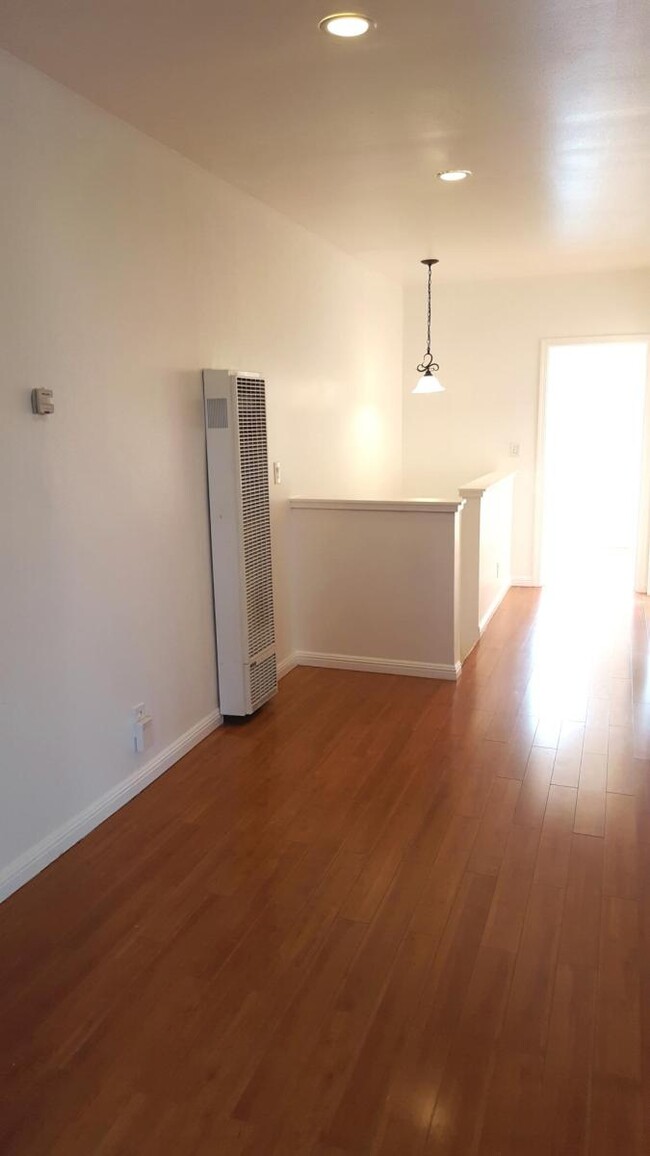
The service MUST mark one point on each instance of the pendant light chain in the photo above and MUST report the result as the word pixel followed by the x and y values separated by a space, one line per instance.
pixel 429 317
pixel 428 365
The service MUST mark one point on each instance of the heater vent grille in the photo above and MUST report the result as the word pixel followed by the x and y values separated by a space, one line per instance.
pixel 217 411
pixel 256 517
pixel 263 681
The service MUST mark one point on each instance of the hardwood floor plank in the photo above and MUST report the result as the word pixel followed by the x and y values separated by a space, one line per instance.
pixel 531 804
pixel 402 824
pixel 625 772
pixel 516 1121
pixel 489 847
pixel 300 1024
pixel 568 1063
pixel 529 1005
pixel 552 865
pixel 419 1066
pixel 596 739
pixel 616 1123
pixel 590 807
pixel 506 918
pixel 566 768
pixel 357 1114
pixel 580 934
pixel 438 893
pixel 548 732
pixel 460 1108
pixel 459 1112
pixel 516 753
pixel 621 868
pixel 618 1027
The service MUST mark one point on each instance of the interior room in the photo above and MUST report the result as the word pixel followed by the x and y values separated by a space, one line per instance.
pixel 324 579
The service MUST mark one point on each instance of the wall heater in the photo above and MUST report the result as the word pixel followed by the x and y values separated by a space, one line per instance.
pixel 240 527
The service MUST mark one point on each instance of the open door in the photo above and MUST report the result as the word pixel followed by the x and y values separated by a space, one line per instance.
pixel 594 508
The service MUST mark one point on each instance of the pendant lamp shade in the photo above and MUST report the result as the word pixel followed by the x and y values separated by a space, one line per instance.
pixel 428 383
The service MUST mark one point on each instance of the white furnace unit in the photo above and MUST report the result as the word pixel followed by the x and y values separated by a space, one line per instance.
pixel 240 527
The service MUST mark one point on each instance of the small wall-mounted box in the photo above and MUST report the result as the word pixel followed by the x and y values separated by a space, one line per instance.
pixel 141 727
pixel 142 733
pixel 42 401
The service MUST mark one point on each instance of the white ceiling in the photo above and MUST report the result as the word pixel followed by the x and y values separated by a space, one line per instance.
pixel 547 101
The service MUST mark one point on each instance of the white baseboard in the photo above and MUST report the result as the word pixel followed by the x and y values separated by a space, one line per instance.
pixel 287 664
pixel 491 611
pixel 22 869
pixel 378 665
pixel 523 582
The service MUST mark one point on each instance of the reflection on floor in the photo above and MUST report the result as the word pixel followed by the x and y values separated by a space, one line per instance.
pixel 389 916
pixel 582 633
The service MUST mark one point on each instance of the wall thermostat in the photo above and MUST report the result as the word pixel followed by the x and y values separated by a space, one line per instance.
pixel 42 401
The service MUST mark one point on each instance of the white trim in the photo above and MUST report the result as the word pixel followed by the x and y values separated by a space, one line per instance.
pixel 447 671
pixel 523 582
pixel 404 505
pixel 287 664
pixel 641 575
pixel 538 512
pixel 491 610
pixel 22 869
pixel 477 487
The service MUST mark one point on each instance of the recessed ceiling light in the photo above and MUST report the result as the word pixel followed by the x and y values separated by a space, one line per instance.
pixel 346 24
pixel 454 175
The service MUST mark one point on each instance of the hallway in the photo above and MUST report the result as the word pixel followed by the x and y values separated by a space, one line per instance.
pixel 388 916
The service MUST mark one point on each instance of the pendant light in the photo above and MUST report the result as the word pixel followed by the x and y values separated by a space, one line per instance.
pixel 428 382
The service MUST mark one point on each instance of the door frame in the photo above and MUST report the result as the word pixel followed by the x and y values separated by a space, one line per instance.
pixel 642 561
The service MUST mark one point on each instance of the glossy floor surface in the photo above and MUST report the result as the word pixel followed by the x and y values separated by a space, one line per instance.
pixel 388 916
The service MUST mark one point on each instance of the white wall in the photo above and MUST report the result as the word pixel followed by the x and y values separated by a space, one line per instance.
pixel 486 336
pixel 125 270
pixel 495 551
pixel 377 587
pixel 486 552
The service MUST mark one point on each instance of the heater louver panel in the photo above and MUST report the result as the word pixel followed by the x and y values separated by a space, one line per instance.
pixel 217 411
pixel 263 681
pixel 256 516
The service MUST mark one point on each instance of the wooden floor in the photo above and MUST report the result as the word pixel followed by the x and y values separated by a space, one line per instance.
pixel 388 916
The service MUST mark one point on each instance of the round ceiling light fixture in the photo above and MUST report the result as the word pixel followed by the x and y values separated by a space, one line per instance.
pixel 454 174
pixel 346 24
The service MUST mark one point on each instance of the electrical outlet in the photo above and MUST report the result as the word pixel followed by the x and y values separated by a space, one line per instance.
pixel 277 474
pixel 138 712
pixel 514 449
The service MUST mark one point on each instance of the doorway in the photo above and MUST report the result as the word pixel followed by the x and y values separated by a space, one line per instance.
pixel 592 439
